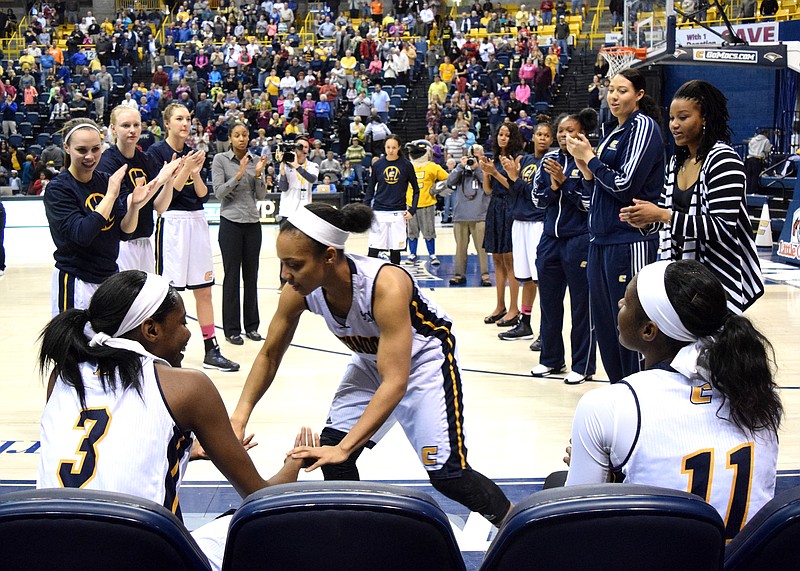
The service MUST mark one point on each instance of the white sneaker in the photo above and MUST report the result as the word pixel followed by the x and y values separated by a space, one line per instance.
pixel 574 378
pixel 434 260
pixel 410 260
pixel 543 370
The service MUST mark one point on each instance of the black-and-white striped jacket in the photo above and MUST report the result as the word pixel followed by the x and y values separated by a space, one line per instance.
pixel 716 231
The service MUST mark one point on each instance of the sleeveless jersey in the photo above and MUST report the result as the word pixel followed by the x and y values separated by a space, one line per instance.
pixel 732 470
pixel 360 333
pixel 122 441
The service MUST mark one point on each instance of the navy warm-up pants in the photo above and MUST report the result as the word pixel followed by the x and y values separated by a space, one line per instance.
pixel 611 268
pixel 562 263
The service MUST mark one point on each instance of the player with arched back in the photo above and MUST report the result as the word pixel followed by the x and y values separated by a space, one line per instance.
pixel 404 366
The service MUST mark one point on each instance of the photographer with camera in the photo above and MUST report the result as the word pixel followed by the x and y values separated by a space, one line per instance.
pixel 470 203
pixel 297 176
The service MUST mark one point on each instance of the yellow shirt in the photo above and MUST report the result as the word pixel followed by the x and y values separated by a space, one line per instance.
pixel 349 64
pixel 27 61
pixel 273 84
pixel 108 28
pixel 438 88
pixel 427 176
pixel 447 71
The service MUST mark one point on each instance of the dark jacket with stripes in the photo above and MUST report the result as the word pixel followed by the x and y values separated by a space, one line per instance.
pixel 629 164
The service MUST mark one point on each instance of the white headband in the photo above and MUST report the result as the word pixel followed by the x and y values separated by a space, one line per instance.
pixel 653 298
pixel 147 302
pixel 81 126
pixel 320 230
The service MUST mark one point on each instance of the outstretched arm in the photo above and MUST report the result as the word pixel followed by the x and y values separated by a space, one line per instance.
pixel 280 334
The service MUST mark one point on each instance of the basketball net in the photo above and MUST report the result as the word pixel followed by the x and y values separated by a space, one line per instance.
pixel 618 58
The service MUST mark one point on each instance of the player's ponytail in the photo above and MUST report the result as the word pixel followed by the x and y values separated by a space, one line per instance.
pixel 65 346
pixel 741 361
pixel 647 105
pixel 739 358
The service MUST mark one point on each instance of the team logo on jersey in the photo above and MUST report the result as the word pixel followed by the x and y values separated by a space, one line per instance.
pixel 137 177
pixel 701 394
pixel 391 175
pixel 613 144
pixel 528 173
pixel 575 173
pixel 428 455
pixel 91 203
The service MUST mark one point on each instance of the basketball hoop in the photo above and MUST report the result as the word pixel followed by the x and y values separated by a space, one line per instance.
pixel 621 57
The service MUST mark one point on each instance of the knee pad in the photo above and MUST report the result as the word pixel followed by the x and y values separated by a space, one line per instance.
pixel 347 470
pixel 476 492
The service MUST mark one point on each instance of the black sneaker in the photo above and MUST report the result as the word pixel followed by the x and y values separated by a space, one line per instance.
pixel 215 360
pixel 537 345
pixel 519 331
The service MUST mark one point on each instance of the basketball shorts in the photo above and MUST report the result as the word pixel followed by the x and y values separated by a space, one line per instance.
pixel 388 231
pixel 137 255
pixel 211 539
pixel 68 292
pixel 183 249
pixel 430 413
pixel 525 238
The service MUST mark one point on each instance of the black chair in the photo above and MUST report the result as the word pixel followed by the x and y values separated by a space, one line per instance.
pixel 33 117
pixel 19 117
pixel 26 130
pixel 43 139
pixel 340 525
pixel 35 150
pixel 67 529
pixel 609 526
pixel 16 140
pixel 771 540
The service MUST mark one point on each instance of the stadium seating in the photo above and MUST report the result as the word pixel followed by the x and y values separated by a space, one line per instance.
pixel 341 525
pixel 771 540
pixel 85 529
pixel 609 526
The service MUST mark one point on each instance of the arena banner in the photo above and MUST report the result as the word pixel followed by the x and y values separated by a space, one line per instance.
pixel 763 33
pixel 789 243
pixel 762 56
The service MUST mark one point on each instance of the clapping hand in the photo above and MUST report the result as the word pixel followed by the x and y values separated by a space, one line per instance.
pixel 556 172
pixel 511 167
pixel 580 147
pixel 115 182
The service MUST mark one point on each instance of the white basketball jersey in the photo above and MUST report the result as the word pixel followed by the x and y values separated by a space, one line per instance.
pixel 732 470
pixel 360 333
pixel 122 441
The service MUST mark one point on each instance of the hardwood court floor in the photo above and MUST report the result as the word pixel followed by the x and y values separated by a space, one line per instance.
pixel 517 426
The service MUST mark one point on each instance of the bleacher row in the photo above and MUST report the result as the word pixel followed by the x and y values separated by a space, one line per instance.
pixel 366 526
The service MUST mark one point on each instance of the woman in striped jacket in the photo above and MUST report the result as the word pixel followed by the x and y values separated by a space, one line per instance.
pixel 703 207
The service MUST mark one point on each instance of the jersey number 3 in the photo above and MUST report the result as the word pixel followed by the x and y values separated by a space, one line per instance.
pixel 94 423
pixel 700 467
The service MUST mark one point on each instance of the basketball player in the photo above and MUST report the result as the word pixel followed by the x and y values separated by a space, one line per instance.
pixel 561 189
pixel 404 366
pixel 136 253
pixel 87 218
pixel 527 227
pixel 386 194
pixel 121 401
pixel 704 415
pixel 183 244
pixel 629 165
